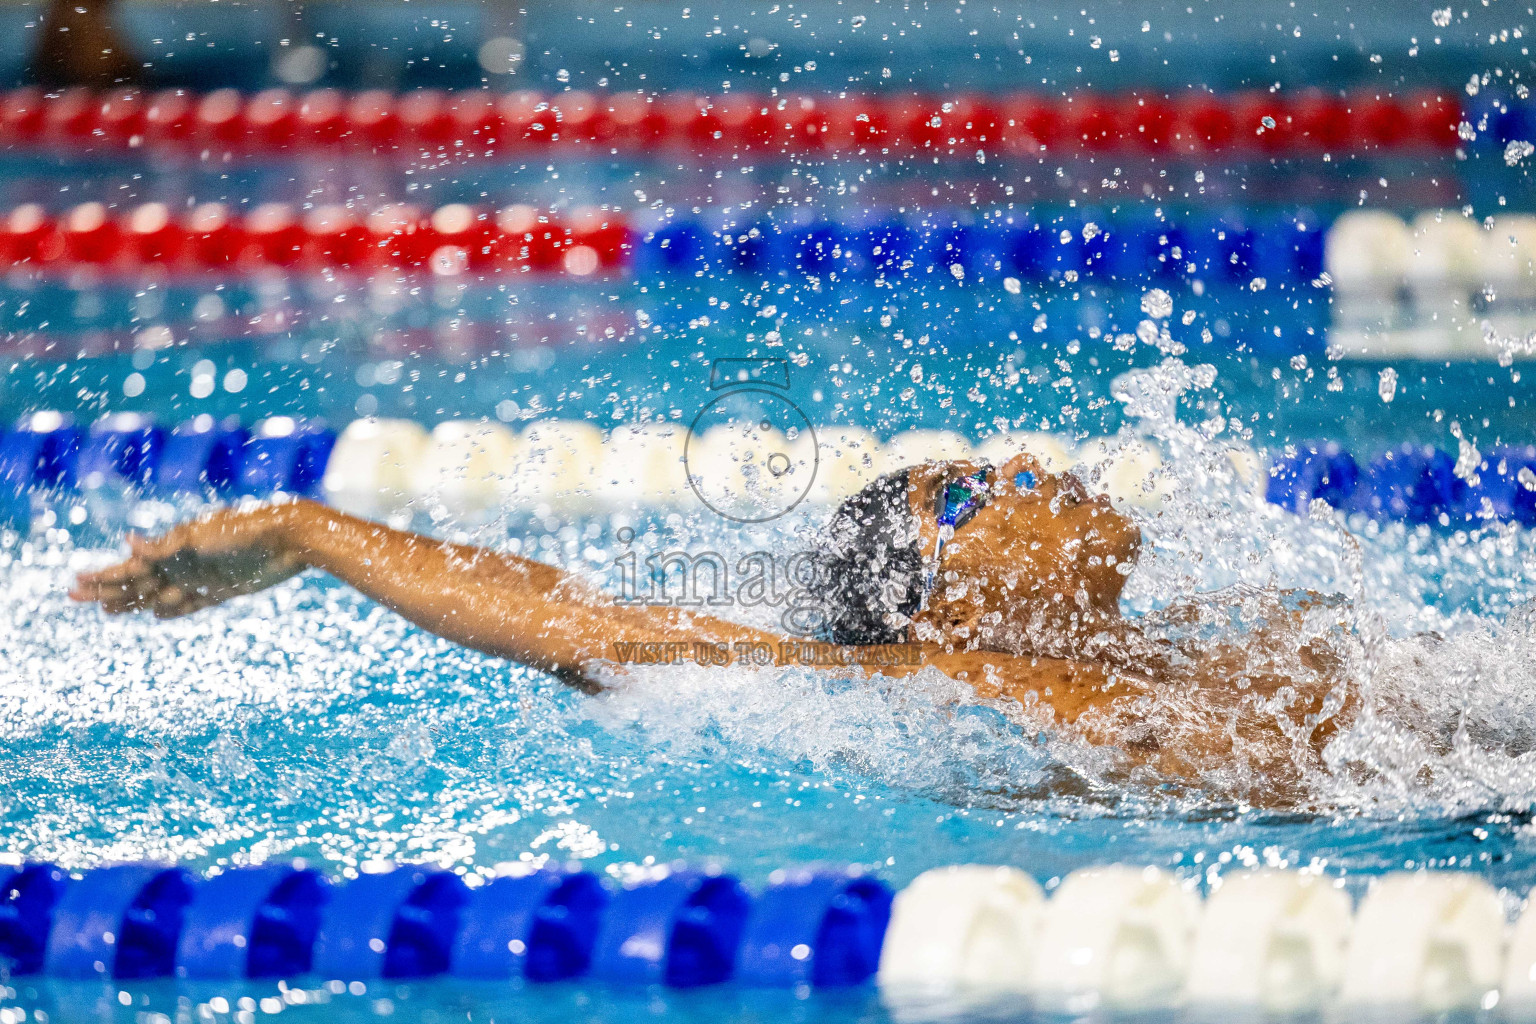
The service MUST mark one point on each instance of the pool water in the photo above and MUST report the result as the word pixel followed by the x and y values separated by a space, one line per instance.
pixel 307 722
pixel 482 352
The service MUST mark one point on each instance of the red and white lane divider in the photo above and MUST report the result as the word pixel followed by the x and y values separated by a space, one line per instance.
pixel 450 240
pixel 277 122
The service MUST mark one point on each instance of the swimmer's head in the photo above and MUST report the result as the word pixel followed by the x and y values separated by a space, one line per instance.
pixel 1039 549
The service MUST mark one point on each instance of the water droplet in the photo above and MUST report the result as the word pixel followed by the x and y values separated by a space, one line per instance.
pixel 1387 385
pixel 1157 303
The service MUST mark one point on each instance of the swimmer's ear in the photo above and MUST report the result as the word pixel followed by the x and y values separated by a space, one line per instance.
pixel 1023 471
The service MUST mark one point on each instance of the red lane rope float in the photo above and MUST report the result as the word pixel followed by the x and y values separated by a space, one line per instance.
pixel 276 122
pixel 448 241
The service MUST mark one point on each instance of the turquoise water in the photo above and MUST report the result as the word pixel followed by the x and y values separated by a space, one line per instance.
pixel 307 722
pixel 1042 359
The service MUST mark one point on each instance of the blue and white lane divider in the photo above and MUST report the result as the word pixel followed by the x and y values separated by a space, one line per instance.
pixel 680 927
pixel 1114 937
pixel 472 468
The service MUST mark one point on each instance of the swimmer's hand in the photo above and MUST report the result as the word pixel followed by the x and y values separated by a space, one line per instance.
pixel 198 564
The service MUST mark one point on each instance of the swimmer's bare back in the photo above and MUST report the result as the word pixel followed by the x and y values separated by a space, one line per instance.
pixel 540 616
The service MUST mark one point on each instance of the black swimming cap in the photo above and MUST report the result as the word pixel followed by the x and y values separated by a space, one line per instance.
pixel 871 565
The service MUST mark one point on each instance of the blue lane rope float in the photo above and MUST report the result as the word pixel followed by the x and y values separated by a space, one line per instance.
pixel 681 927
pixel 1411 483
pixel 1124 936
pixel 27 906
pixel 292 462
pixel 399 924
pixel 123 921
pixel 1226 247
pixel 540 926
pixel 200 457
pixel 214 458
pixel 814 928
pixel 1415 484
pixel 258 922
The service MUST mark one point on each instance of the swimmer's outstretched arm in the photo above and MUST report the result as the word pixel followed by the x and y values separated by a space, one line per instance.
pixel 500 604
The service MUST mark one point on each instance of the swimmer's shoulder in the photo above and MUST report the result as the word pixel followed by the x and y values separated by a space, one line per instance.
pixel 1071 687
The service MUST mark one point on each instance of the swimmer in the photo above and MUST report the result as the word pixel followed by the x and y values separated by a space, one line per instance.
pixel 1007 578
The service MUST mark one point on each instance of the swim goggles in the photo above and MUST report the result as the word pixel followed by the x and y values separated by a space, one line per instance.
pixel 958 503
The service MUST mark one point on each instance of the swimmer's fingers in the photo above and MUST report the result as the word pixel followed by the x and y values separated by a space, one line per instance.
pixel 131 595
pixel 121 587
pixel 112 574
pixel 89 585
pixel 132 592
pixel 108 581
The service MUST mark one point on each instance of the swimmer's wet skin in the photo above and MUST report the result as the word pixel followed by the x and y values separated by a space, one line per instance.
pixel 1007 578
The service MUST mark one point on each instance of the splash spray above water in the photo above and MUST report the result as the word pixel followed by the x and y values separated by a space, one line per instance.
pixel 358 738
pixel 1409 622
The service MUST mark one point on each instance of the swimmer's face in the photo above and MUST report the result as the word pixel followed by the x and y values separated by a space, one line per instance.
pixel 1046 552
